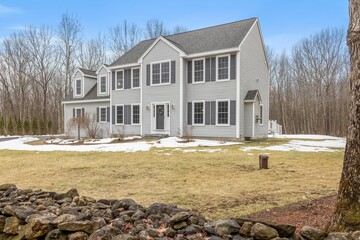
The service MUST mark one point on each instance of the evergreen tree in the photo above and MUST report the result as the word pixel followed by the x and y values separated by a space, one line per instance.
pixel 2 126
pixel 27 126
pixel 42 127
pixel 10 127
pixel 49 126
pixel 35 126
pixel 19 127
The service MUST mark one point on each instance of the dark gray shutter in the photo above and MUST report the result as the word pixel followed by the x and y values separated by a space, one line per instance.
pixel 213 113
pixel 113 80
pixel 82 112
pixel 189 113
pixel 97 114
pixel 213 69
pixel 73 112
pixel 108 114
pixel 207 69
pixel 232 112
pixel 127 79
pixel 113 114
pixel 207 113
pixel 173 72
pixel 233 66
pixel 189 71
pixel 148 75
pixel 129 114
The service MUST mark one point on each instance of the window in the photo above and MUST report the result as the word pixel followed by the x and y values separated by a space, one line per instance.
pixel 78 87
pixel 78 112
pixel 198 113
pixel 198 70
pixel 103 114
pixel 223 69
pixel 136 78
pixel 103 85
pixel 160 73
pixel 120 114
pixel 119 79
pixel 223 112
pixel 135 114
pixel 261 115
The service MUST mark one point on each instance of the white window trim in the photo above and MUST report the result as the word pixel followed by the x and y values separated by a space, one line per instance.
pixel 81 85
pixel 106 82
pixel 116 88
pixel 261 106
pixel 81 113
pixel 193 70
pixel 217 68
pixel 132 80
pixel 132 120
pixel 105 114
pixel 151 73
pixel 123 118
pixel 217 109
pixel 193 113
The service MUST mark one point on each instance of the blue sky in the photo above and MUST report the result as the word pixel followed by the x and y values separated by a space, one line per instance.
pixel 283 22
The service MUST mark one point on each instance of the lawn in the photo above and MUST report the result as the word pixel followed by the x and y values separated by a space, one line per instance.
pixel 222 184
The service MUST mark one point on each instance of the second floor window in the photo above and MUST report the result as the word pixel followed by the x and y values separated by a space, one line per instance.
pixel 119 80
pixel 161 73
pixel 198 70
pixel 78 87
pixel 103 85
pixel 136 78
pixel 223 68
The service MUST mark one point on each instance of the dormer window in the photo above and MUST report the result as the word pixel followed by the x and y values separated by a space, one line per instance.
pixel 78 87
pixel 103 84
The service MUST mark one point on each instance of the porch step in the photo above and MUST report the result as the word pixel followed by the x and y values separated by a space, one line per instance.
pixel 158 135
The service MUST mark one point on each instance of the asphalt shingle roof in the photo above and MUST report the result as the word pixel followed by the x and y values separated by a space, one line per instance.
pixel 88 72
pixel 224 36
pixel 251 95
pixel 92 94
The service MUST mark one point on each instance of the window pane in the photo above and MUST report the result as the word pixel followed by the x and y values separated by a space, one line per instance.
pixel 120 80
pixel 223 68
pixel 165 72
pixel 78 112
pixel 136 78
pixel 78 87
pixel 136 114
pixel 103 84
pixel 198 113
pixel 223 112
pixel 156 73
pixel 120 114
pixel 103 114
pixel 198 70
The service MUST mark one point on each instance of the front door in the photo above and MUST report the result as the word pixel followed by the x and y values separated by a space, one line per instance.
pixel 160 117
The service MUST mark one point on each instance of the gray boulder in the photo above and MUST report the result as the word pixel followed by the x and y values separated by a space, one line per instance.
pixel 179 217
pixel 56 234
pixel 262 232
pixel 245 229
pixel 226 227
pixel 86 226
pixel 12 225
pixel 78 236
pixel 311 233
pixel 338 236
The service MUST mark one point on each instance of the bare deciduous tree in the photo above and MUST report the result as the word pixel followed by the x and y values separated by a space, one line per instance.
pixel 92 53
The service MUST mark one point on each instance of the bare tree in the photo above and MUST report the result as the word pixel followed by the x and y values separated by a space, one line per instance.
pixel 92 53
pixel 123 37
pixel 347 213
pixel 179 29
pixel 155 28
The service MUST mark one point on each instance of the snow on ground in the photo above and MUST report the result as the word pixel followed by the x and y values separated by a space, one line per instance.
pixel 302 136
pixel 322 144
pixel 171 142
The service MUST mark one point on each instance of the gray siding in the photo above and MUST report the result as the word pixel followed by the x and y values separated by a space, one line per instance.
pixel 165 93
pixel 253 66
pixel 88 84
pixel 209 91
pixel 90 108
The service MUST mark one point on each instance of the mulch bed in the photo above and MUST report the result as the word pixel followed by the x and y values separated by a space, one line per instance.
pixel 315 213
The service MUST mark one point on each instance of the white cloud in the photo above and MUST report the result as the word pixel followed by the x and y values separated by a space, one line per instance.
pixel 9 10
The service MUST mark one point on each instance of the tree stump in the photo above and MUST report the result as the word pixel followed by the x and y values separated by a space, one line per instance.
pixel 263 162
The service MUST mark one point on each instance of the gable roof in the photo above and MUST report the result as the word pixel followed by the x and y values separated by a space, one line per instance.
pixel 88 72
pixel 251 96
pixel 219 37
pixel 91 95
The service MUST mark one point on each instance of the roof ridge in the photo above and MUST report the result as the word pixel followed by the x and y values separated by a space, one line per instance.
pixel 199 29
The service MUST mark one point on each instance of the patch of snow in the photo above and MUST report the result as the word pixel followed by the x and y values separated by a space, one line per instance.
pixel 54 141
pixel 132 138
pixel 211 150
pixel 99 141
pixel 303 136
pixel 68 141
pixel 175 142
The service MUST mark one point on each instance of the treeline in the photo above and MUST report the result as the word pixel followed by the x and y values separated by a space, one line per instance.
pixel 309 86
pixel 36 65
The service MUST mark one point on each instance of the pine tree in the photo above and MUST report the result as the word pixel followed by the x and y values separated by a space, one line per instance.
pixel 10 127
pixel 19 127
pixel 42 127
pixel 35 126
pixel 2 126
pixel 27 126
pixel 49 126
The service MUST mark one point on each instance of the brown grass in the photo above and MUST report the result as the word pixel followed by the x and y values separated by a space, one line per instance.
pixel 218 184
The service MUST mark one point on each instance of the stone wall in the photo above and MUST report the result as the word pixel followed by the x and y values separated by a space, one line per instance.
pixel 37 214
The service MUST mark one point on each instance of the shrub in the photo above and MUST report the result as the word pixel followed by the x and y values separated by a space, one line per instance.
pixel 2 126
pixel 34 126
pixel 27 126
pixel 19 127
pixel 49 127
pixel 10 127
pixel 42 126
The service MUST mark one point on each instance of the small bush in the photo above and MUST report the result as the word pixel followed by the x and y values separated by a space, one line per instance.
pixel 34 126
pixel 19 127
pixel 10 127
pixel 27 128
